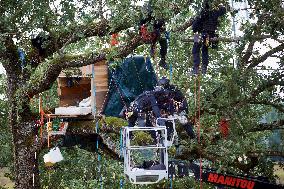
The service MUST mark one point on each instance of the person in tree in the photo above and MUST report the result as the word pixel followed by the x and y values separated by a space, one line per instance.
pixel 165 98
pixel 153 30
pixel 139 108
pixel 175 104
pixel 205 26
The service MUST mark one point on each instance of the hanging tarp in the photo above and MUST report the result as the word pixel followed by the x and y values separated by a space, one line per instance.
pixel 126 81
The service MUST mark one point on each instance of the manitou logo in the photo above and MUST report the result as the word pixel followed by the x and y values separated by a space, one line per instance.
pixel 230 181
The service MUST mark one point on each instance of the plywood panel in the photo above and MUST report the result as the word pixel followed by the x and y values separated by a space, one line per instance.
pixel 62 81
pixel 87 70
pixel 100 99
pixel 81 89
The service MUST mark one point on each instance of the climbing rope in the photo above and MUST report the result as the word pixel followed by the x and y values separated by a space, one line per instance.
pixel 99 156
pixel 120 93
pixel 171 182
pixel 197 94
pixel 121 183
pixel 199 126
pixel 136 70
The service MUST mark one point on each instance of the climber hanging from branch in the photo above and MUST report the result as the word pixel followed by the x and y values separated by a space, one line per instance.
pixel 204 28
pixel 152 30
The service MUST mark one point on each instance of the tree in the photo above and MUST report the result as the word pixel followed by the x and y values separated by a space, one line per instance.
pixel 76 34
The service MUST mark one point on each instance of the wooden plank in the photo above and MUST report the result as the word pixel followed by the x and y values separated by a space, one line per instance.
pixel 82 89
pixel 87 70
pixel 100 98
pixel 62 82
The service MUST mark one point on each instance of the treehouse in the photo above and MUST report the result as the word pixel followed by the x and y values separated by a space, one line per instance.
pixel 103 87
pixel 82 91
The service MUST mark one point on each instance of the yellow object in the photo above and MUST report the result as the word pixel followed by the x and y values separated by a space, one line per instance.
pixel 207 41
pixel 49 164
pixel 49 126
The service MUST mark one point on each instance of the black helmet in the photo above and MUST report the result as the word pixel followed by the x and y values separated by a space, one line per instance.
pixel 164 82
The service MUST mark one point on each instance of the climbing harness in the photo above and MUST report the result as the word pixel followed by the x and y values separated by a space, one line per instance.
pixel 114 39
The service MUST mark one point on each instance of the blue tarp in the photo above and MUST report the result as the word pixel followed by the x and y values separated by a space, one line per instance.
pixel 133 76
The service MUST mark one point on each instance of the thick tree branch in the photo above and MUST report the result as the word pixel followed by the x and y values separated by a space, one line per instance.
pixel 256 61
pixel 248 53
pixel 269 126
pixel 279 80
pixel 12 67
pixel 279 107
pixel 230 40
pixel 184 26
pixel 48 71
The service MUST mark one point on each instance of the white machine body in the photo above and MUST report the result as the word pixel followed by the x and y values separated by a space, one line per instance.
pixel 157 150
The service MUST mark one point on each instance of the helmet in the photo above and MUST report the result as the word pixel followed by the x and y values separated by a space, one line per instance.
pixel 164 82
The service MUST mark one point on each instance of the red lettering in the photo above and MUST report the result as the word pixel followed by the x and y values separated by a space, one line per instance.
pixel 244 183
pixel 250 185
pixel 233 182
pixel 228 181
pixel 212 177
pixel 221 179
pixel 238 182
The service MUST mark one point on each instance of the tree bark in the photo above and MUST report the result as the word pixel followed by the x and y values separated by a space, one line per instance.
pixel 24 134
pixel 25 157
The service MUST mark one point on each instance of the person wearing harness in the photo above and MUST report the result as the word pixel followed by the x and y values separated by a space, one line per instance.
pixel 158 33
pixel 139 108
pixel 175 105
pixel 167 98
pixel 205 24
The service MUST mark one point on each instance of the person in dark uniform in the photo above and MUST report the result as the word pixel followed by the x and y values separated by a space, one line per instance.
pixel 175 103
pixel 205 24
pixel 167 98
pixel 140 107
pixel 158 33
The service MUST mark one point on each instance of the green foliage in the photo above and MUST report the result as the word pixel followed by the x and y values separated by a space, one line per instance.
pixel 80 169
pixel 6 148
pixel 115 122
pixel 141 138
pixel 50 100
pixel 227 91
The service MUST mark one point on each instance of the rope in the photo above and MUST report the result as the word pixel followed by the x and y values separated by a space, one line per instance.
pixel 121 143
pixel 99 156
pixel 121 183
pixel 171 72
pixel 136 70
pixel 35 159
pixel 94 108
pixel 119 92
pixel 199 126
pixel 197 94
pixel 171 182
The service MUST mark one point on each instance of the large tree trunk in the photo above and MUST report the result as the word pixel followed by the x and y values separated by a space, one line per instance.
pixel 25 156
pixel 24 133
